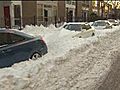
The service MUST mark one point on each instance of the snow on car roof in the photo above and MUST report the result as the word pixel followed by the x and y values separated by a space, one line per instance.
pixel 102 21
pixel 77 23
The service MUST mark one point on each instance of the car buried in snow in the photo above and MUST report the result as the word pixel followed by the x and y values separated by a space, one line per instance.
pixel 113 22
pixel 101 25
pixel 83 29
pixel 16 46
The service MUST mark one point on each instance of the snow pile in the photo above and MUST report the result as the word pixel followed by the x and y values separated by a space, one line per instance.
pixel 72 63
pixel 104 32
pixel 35 30
pixel 51 26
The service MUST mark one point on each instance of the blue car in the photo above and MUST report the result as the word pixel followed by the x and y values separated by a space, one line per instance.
pixel 16 46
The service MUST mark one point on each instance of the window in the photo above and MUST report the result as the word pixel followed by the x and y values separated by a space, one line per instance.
pixel 99 24
pixel 16 38
pixel 73 27
pixel 9 38
pixel 107 24
pixel 86 26
pixel 40 12
pixel 83 26
pixel 65 26
pixel 17 15
pixel 17 11
pixel 3 39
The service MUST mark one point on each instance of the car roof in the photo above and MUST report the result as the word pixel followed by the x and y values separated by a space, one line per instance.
pixel 77 23
pixel 101 21
pixel 14 32
pixel 111 19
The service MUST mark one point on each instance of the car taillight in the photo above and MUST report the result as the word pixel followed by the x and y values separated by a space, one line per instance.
pixel 42 40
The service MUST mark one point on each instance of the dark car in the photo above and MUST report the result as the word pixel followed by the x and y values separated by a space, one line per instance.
pixel 16 46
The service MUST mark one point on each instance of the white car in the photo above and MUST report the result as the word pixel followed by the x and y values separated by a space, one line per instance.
pixel 90 23
pixel 101 24
pixel 83 29
pixel 113 22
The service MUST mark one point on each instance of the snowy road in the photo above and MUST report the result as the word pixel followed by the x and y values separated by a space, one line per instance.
pixel 83 64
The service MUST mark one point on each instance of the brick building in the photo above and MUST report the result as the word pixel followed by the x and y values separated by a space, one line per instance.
pixel 46 12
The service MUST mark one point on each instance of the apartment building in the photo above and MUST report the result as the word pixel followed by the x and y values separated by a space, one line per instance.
pixel 70 10
pixel 10 13
pixel 39 12
pixel 86 9
pixel 47 12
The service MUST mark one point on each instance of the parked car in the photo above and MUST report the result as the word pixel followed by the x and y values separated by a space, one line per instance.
pixel 16 46
pixel 90 23
pixel 113 22
pixel 102 24
pixel 84 29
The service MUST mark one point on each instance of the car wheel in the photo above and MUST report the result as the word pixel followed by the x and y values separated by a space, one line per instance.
pixel 93 34
pixel 35 56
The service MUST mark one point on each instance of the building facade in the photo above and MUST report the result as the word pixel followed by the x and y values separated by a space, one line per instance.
pixel 23 13
pixel 11 13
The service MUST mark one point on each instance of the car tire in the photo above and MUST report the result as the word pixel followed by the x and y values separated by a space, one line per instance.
pixel 93 34
pixel 35 56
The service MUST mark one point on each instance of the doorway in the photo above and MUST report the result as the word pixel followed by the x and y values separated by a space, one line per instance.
pixel 17 16
pixel 7 16
pixel 45 15
pixel 70 16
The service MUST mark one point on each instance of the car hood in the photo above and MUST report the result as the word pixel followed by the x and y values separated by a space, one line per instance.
pixel 99 27
pixel 65 32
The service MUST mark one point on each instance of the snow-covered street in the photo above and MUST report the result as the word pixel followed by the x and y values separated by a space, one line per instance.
pixel 71 63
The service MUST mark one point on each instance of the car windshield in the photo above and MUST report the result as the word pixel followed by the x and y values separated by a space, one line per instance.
pixel 86 26
pixel 73 27
pixel 65 26
pixel 113 21
pixel 99 24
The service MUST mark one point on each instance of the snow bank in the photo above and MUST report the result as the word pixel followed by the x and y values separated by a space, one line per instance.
pixel 51 26
pixel 71 64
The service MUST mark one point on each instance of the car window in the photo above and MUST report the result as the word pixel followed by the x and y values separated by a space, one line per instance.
pixel 83 26
pixel 111 20
pixel 3 39
pixel 16 38
pixel 107 24
pixel 65 26
pixel 99 24
pixel 94 24
pixel 86 26
pixel 74 27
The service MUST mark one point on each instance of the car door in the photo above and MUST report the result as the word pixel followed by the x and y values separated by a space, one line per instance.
pixel 83 31
pixel 78 29
pixel 21 47
pixel 5 52
pixel 87 30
